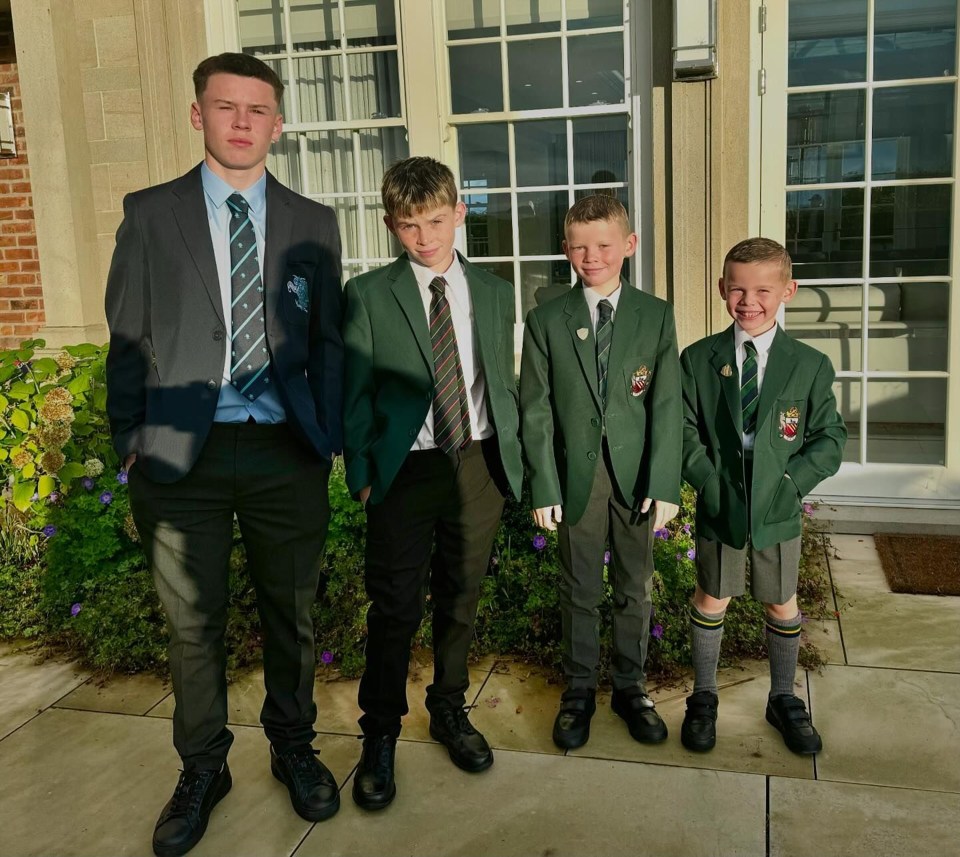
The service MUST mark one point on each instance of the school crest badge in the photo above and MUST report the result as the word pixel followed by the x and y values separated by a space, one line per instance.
pixel 789 423
pixel 297 286
pixel 582 334
pixel 640 380
pixel 727 371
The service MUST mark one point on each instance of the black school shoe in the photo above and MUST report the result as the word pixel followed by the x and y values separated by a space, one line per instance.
pixel 571 729
pixel 637 709
pixel 313 789
pixel 699 730
pixel 374 786
pixel 184 819
pixel 468 749
pixel 789 716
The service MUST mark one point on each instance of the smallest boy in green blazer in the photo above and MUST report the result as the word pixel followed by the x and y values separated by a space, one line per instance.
pixel 761 431
pixel 600 413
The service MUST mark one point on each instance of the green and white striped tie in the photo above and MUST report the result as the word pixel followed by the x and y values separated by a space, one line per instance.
pixel 604 337
pixel 749 388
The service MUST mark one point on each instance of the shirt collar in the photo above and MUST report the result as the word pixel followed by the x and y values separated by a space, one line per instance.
pixel 761 342
pixel 593 297
pixel 217 191
pixel 425 275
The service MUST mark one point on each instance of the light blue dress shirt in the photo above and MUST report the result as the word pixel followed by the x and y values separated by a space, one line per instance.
pixel 231 406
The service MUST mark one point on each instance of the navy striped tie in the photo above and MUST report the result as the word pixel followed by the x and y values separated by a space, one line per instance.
pixel 250 359
pixel 451 418
pixel 749 388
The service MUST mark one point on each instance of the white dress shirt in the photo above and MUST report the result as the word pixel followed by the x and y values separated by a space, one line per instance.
pixel 762 343
pixel 593 298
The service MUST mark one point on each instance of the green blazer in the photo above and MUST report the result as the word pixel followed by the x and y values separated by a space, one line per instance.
pixel 389 382
pixel 562 417
pixel 798 442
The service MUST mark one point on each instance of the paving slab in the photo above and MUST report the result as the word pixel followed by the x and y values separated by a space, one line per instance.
pixel 118 694
pixel 850 820
pixel 888 727
pixel 530 803
pixel 825 635
pixel 85 783
pixel 29 685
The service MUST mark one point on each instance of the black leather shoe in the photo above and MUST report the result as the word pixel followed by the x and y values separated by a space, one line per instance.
pixel 642 719
pixel 184 819
pixel 571 729
pixel 468 749
pixel 373 783
pixel 313 789
pixel 699 730
pixel 788 714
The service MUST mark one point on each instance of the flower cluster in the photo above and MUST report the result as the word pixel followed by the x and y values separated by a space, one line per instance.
pixel 21 459
pixel 93 467
pixel 55 412
pixel 65 361
pixel 52 460
pixel 54 436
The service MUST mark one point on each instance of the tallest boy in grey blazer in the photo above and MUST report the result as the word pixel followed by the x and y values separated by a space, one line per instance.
pixel 224 395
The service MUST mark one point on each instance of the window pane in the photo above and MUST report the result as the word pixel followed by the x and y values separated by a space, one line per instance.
pixel 914 38
pixel 913 132
pixel 284 161
pixel 488 225
pixel 824 233
pixel 315 24
pixel 261 26
pixel 540 281
pixel 330 161
pixel 594 13
pixel 829 318
pixel 910 231
pixel 320 86
pixel 905 420
pixel 828 42
pixel 847 391
pixel 535 74
pixel 600 149
pixel 379 148
pixel 280 67
pixel 596 69
pixel 540 218
pixel 476 81
pixel 541 151
pixel 347 219
pixel 473 19
pixel 503 270
pixel 374 85
pixel 370 22
pixel 484 160
pixel 825 133
pixel 912 335
pixel 533 16
pixel 381 243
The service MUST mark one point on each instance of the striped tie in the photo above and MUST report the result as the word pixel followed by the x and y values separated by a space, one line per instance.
pixel 249 360
pixel 749 388
pixel 451 418
pixel 604 337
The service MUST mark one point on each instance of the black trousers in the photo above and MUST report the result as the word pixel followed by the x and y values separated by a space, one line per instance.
pixel 435 527
pixel 278 491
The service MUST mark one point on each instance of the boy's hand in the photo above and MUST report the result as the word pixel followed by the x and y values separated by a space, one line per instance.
pixel 664 512
pixel 363 494
pixel 548 517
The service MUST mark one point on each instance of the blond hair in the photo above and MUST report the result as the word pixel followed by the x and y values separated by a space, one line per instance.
pixel 753 250
pixel 600 206
pixel 416 184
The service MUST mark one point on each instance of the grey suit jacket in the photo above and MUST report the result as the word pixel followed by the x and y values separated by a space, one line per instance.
pixel 168 333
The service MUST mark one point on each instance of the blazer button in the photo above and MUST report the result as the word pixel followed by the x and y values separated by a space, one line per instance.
pixel 217 335
pixel 592 455
pixel 211 384
pixel 594 422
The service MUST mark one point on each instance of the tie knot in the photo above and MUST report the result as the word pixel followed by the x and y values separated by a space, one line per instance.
pixel 750 348
pixel 237 202
pixel 438 285
pixel 606 310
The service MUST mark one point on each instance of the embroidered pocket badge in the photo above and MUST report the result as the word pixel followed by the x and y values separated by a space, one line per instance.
pixel 582 334
pixel 640 381
pixel 789 423
pixel 298 287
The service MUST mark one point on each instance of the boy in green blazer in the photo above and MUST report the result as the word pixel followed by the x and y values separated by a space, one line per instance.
pixel 600 404
pixel 431 448
pixel 761 431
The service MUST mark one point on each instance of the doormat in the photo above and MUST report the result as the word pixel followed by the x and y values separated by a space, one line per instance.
pixel 920 565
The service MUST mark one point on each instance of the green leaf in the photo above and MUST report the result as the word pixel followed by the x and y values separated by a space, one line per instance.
pixel 23 493
pixel 20 391
pixel 45 366
pixel 28 470
pixel 3 403
pixel 20 420
pixel 71 470
pixel 80 384
pixel 4 455
pixel 100 398
pixel 85 349
pixel 46 486
pixel 81 430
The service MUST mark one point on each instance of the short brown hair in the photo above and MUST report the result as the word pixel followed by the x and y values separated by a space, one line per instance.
pixel 416 184
pixel 599 206
pixel 752 250
pixel 243 65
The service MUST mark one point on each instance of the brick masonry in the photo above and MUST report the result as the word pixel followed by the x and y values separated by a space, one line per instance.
pixel 21 297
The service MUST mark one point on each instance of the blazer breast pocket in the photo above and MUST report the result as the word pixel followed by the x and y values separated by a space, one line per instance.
pixel 787 424
pixel 296 294
pixel 638 376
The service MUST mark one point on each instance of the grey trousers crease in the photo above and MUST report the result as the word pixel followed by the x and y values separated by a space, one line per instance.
pixel 607 519
pixel 278 491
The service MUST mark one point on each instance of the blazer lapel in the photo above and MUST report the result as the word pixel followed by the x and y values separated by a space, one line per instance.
pixel 584 340
pixel 776 374
pixel 279 227
pixel 190 211
pixel 407 293
pixel 485 318
pixel 628 328
pixel 724 361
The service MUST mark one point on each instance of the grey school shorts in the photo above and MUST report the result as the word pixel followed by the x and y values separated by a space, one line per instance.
pixel 721 570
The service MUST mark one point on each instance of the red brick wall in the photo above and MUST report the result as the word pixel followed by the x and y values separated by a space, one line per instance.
pixel 21 298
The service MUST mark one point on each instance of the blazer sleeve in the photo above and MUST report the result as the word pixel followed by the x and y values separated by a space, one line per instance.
pixel 666 416
pixel 697 467
pixel 126 305
pixel 359 392
pixel 824 435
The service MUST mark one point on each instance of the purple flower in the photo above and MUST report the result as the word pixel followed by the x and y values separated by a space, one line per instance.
pixel 327 657
pixel 657 631
pixel 35 497
pixel 807 509
pixel 662 533
pixel 87 483
pixel 606 557
pixel 75 609
pixel 122 477
pixel 106 498
pixel 49 531
pixel 53 497
pixel 686 529
pixel 692 553
pixel 679 556
pixel 539 542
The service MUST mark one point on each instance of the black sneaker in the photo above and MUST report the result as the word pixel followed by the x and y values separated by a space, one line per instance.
pixel 699 730
pixel 313 789
pixel 468 749
pixel 641 716
pixel 789 716
pixel 184 819
pixel 571 729
pixel 373 783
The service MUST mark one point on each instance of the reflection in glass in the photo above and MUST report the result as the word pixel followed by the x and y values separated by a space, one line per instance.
pixel 261 26
pixel 912 335
pixel 533 16
pixel 476 81
pixel 473 19
pixel 349 223
pixel 488 226
pixel 330 161
pixel 283 161
pixel 503 270
pixel 535 74
pixel 596 69
pixel 320 87
pixel 830 318
pixel 828 42
pixel 315 24
pixel 542 280
pixel 600 149
pixel 483 155
pixel 913 132
pixel 824 233
pixel 379 148
pixel 540 220
pixel 582 14
pixel 280 67
pixel 905 420
pixel 910 231
pixel 847 392
pixel 914 39
pixel 825 132
pixel 541 152
pixel 374 85
pixel 370 22
pixel 381 242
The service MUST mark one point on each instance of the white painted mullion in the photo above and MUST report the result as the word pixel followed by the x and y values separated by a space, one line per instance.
pixel 514 217
pixel 288 61
pixel 867 229
pixel 879 84
pixel 951 429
